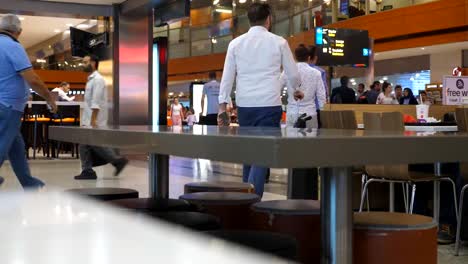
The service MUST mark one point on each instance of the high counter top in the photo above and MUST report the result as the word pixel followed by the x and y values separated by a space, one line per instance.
pixel 275 147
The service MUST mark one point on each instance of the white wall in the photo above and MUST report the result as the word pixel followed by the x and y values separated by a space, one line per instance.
pixel 443 64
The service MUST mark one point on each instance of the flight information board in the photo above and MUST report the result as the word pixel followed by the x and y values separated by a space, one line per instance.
pixel 342 47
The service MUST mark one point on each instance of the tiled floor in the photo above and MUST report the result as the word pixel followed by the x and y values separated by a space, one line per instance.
pixel 58 175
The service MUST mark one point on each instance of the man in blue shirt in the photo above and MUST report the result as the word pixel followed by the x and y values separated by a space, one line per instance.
pixel 16 77
pixel 211 90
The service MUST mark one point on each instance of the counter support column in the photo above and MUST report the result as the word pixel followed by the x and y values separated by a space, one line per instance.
pixel 337 215
pixel 158 175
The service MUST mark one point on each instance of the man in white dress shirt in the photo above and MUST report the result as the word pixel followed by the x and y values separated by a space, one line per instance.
pixel 95 115
pixel 254 61
pixel 62 92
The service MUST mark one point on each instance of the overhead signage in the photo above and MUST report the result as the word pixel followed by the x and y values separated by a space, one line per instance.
pixel 455 90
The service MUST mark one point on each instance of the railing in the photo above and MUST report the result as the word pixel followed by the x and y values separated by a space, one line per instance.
pixel 290 18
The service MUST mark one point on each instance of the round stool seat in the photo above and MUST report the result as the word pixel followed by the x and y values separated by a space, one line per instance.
pixel 192 220
pixel 232 208
pixel 297 218
pixel 384 237
pixel 218 186
pixel 279 245
pixel 153 204
pixel 288 207
pixel 106 194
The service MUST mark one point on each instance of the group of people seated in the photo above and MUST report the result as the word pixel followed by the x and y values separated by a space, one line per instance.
pixel 379 93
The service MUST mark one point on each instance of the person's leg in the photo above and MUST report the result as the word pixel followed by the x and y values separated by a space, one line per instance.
pixel 87 172
pixel 19 163
pixel 9 129
pixel 211 120
pixel 245 173
pixel 244 118
pixel 110 156
pixel 265 117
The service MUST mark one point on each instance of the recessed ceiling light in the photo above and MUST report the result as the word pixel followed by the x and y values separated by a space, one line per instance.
pixel 423 48
pixel 67 31
pixel 225 11
pixel 57 30
pixel 215 2
pixel 242 1
pixel 70 25
pixel 22 18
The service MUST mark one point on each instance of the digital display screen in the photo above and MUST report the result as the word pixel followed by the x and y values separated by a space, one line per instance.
pixel 342 47
pixel 155 92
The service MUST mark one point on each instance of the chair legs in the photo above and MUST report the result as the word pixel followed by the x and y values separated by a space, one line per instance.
pixel 413 194
pixel 459 221
pixel 405 196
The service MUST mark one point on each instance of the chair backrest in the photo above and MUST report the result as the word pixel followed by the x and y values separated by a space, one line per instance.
pixel 338 119
pixel 461 115
pixel 387 121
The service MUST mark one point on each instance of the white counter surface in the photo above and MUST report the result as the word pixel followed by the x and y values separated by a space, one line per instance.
pixel 55 228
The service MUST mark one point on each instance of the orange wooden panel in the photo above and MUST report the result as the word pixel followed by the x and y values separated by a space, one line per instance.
pixel 52 79
pixel 442 14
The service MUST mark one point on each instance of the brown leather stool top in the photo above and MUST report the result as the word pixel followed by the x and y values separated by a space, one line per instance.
pixel 378 220
pixel 232 208
pixel 221 198
pixel 289 207
pixel 297 218
pixel 153 204
pixel 192 220
pixel 218 186
pixel 386 238
pixel 105 194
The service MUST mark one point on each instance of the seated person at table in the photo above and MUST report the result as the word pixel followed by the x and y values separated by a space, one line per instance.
pixel 386 97
pixel 62 92
pixel 343 94
pixel 408 98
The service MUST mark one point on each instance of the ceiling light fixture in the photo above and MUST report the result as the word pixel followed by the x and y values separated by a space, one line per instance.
pixel 214 41
pixel 57 30
pixel 22 18
pixel 215 2
pixel 225 11
pixel 242 1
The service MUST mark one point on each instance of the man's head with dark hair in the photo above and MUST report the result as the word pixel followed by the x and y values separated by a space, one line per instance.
pixel 344 81
pixel 259 14
pixel 212 75
pixel 301 53
pixel 398 91
pixel 91 63
pixel 65 86
pixel 313 54
pixel 377 85
pixel 361 88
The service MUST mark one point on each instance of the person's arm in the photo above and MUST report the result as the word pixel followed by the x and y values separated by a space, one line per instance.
pixel 289 66
pixel 97 101
pixel 39 87
pixel 227 81
pixel 203 100
pixel 65 97
pixel 320 93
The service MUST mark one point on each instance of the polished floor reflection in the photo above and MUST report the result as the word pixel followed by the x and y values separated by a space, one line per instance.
pixel 58 175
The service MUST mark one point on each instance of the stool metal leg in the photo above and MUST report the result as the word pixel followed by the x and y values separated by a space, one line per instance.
pixel 459 220
pixel 405 192
pixel 391 204
pixel 159 175
pixel 337 215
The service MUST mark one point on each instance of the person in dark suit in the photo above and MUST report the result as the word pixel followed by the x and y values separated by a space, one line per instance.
pixel 343 94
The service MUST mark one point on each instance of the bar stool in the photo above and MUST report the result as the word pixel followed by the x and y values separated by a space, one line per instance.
pixel 153 204
pixel 191 220
pixel 105 194
pixel 218 186
pixel 232 208
pixel 297 218
pixel 462 123
pixel 388 238
pixel 279 245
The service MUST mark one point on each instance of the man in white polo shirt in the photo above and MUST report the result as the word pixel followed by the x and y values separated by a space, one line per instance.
pixel 254 60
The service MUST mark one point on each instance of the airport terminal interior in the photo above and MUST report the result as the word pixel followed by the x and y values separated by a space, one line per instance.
pixel 234 131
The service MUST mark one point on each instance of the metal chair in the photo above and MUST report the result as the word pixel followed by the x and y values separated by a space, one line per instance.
pixel 462 118
pixel 393 121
